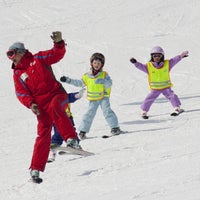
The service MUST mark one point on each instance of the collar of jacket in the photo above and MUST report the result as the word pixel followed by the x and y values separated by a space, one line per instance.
pixel 24 62
pixel 90 74
pixel 158 65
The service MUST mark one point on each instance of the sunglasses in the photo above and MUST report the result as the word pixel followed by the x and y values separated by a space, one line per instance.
pixel 11 53
pixel 157 55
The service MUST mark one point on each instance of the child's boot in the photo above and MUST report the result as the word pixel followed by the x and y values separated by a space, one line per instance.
pixel 116 131
pixel 82 135
pixel 144 115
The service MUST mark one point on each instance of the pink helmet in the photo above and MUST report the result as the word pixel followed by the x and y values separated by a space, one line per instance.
pixel 157 49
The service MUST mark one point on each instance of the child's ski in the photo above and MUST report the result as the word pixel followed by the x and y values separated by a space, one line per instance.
pixel 145 117
pixel 109 136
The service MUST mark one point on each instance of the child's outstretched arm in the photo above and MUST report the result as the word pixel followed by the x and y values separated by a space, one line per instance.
pixel 76 95
pixel 176 59
pixel 184 54
pixel 139 65
pixel 75 82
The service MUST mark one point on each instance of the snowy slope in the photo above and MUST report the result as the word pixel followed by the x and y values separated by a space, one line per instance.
pixel 159 159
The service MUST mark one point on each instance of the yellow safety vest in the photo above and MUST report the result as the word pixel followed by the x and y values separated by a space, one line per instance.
pixel 159 78
pixel 67 111
pixel 95 91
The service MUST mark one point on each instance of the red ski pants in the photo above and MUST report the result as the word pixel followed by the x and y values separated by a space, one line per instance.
pixel 54 113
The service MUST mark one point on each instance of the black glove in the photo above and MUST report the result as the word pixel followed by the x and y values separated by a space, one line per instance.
pixel 63 79
pixel 133 60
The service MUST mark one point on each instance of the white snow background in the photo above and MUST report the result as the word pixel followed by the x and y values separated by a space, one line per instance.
pixel 159 159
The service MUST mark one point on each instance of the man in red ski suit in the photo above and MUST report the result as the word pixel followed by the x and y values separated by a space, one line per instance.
pixel 37 89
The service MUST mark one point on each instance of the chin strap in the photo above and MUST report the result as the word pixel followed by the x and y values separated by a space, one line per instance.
pixel 95 72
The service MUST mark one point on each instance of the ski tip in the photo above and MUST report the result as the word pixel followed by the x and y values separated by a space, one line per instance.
pixel 106 136
pixel 174 114
pixel 145 117
pixel 50 160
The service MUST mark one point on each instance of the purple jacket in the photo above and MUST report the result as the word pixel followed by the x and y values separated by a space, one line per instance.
pixel 172 62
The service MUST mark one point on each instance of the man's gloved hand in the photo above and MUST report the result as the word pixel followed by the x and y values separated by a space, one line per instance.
pixel 65 79
pixel 56 36
pixel 133 60
pixel 184 54
pixel 100 81
pixel 80 93
pixel 34 108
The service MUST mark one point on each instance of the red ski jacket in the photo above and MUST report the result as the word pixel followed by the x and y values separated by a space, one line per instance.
pixel 33 77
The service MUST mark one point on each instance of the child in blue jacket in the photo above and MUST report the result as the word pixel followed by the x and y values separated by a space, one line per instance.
pixel 98 84
pixel 56 139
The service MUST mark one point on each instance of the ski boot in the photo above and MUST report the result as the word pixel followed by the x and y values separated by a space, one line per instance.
pixel 73 143
pixel 144 115
pixel 82 135
pixel 116 131
pixel 35 176
pixel 177 111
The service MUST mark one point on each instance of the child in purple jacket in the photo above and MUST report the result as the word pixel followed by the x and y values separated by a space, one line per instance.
pixel 158 70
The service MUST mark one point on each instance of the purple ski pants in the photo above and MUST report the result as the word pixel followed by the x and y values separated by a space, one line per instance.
pixel 152 96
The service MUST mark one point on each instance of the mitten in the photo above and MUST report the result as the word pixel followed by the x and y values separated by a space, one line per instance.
pixel 184 54
pixel 34 108
pixel 56 36
pixel 100 81
pixel 80 93
pixel 133 60
pixel 65 79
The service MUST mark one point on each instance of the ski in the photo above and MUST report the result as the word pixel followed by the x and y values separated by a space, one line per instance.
pixel 71 151
pixel 50 160
pixel 109 136
pixel 177 113
pixel 145 117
